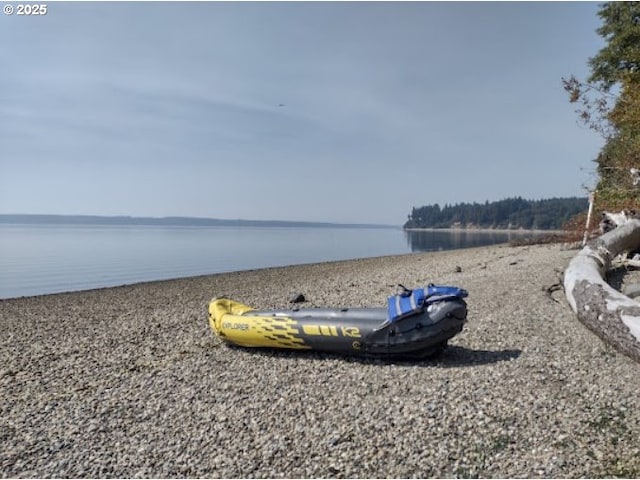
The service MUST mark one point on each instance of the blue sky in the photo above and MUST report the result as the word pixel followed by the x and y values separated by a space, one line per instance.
pixel 339 112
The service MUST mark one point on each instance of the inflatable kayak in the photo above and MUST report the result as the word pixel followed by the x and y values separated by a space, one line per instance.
pixel 416 323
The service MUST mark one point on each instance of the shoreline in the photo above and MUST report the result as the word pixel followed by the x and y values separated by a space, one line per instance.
pixel 130 381
pixel 486 230
pixel 89 271
pixel 257 269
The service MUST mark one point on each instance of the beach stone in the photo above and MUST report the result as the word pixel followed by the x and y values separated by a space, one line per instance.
pixel 131 382
pixel 632 290
pixel 297 297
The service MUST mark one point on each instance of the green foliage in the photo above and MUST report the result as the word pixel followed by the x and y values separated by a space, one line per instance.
pixel 513 213
pixel 619 60
pixel 616 116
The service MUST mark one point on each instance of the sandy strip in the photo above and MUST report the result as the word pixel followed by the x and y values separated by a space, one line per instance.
pixel 130 381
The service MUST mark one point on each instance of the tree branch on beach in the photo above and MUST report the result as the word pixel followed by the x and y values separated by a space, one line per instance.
pixel 614 317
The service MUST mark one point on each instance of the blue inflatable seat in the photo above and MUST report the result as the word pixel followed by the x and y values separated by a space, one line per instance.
pixel 410 302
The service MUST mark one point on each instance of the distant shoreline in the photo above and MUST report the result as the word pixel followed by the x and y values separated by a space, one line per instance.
pixel 484 230
pixel 37 219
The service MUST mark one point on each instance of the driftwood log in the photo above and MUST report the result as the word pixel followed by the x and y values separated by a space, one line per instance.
pixel 614 317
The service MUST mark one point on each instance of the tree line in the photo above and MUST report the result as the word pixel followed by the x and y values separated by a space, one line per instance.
pixel 510 213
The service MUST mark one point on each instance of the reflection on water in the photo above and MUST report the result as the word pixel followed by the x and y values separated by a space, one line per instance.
pixel 434 240
pixel 40 259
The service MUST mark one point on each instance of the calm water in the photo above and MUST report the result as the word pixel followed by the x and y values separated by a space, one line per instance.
pixel 42 259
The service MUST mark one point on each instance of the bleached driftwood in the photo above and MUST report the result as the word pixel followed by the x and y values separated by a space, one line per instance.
pixel 614 317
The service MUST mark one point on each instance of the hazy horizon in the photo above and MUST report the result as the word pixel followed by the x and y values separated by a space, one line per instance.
pixel 194 220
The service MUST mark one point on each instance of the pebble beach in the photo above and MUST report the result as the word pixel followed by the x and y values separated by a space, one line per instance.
pixel 131 382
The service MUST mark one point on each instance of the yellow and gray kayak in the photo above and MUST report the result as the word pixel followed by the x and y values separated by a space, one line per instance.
pixel 417 324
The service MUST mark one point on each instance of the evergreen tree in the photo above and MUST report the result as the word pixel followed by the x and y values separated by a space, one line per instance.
pixel 610 104
pixel 509 213
pixel 618 62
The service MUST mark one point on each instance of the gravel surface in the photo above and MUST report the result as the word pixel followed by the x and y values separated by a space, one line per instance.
pixel 131 382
